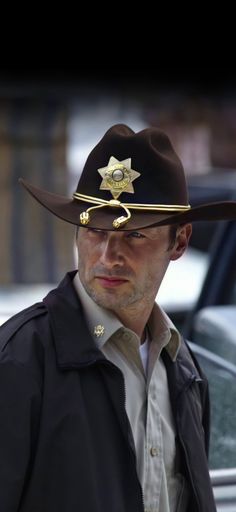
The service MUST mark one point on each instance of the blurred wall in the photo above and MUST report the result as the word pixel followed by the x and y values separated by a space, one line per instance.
pixel 35 245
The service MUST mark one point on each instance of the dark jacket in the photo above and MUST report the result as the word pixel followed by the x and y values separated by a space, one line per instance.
pixel 65 440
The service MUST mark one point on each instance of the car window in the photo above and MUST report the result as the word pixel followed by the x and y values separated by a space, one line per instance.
pixel 222 385
pixel 214 329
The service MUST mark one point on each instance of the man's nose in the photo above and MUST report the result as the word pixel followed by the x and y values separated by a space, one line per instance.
pixel 112 253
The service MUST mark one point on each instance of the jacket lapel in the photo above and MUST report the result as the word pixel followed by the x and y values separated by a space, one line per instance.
pixel 73 342
pixel 75 347
pixel 187 385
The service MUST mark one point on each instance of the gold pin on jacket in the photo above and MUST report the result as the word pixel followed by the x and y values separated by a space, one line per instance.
pixel 99 330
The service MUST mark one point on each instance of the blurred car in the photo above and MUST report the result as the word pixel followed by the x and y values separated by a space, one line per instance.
pixel 216 185
pixel 210 324
pixel 214 328
pixel 206 274
pixel 222 458
pixel 219 285
pixel 201 278
pixel 183 283
pixel 224 488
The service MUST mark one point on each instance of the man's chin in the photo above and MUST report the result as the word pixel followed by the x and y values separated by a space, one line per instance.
pixel 105 300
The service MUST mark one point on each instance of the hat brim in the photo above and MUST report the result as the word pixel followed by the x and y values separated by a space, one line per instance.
pixel 69 210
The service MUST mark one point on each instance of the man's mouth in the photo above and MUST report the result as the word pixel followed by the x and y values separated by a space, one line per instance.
pixel 111 281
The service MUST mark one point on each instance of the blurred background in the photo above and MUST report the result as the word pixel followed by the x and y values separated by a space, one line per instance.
pixel 51 119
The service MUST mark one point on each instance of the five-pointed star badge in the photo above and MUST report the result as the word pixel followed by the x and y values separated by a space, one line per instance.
pixel 118 176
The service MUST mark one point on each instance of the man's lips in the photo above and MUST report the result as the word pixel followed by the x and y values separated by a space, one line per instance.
pixel 111 282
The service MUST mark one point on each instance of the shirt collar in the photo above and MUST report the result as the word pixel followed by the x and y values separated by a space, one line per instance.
pixel 164 332
pixel 102 323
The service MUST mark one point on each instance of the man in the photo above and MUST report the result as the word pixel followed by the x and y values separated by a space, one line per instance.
pixel 103 407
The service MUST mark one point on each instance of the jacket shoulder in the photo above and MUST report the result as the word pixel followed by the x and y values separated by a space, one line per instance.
pixel 12 326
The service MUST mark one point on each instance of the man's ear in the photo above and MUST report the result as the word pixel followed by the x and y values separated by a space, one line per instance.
pixel 182 238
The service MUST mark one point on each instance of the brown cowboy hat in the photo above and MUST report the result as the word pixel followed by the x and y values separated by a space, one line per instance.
pixel 131 181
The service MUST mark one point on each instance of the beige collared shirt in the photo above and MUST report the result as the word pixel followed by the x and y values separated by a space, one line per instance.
pixel 147 399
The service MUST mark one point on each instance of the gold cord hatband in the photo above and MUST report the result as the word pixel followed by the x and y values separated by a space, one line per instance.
pixel 114 203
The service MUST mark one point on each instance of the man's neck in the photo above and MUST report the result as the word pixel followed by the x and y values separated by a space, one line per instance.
pixel 135 320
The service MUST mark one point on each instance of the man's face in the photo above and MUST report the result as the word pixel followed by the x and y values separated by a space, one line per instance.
pixel 125 269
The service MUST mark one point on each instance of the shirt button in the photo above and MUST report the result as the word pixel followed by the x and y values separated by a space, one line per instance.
pixel 153 451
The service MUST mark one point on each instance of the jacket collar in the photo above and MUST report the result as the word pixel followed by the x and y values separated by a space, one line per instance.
pixel 181 373
pixel 73 343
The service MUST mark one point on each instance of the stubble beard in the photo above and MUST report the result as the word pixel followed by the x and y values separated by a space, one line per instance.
pixel 110 299
pixel 114 299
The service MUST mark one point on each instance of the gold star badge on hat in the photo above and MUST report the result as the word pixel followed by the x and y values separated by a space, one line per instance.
pixel 118 176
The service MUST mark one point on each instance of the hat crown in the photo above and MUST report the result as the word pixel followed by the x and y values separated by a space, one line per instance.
pixel 151 179
pixel 162 178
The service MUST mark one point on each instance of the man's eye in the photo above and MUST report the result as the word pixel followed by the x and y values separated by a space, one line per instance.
pixel 94 230
pixel 135 234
